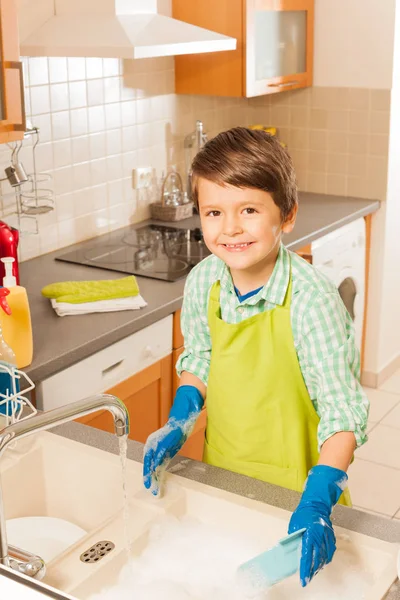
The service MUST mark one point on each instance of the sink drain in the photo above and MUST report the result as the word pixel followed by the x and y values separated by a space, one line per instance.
pixel 97 552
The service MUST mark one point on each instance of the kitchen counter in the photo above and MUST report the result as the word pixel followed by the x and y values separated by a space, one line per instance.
pixel 354 520
pixel 15 586
pixel 349 518
pixel 61 342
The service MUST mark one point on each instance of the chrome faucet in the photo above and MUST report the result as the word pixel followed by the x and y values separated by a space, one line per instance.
pixel 16 558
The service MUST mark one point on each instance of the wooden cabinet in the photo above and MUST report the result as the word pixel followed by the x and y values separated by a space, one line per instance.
pixel 147 396
pixel 12 106
pixel 306 253
pixel 175 379
pixel 177 348
pixel 274 47
pixel 193 448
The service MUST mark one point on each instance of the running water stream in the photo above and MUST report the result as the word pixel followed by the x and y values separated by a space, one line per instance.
pixel 123 448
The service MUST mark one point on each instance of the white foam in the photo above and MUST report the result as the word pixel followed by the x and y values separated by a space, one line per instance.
pixel 342 483
pixel 187 560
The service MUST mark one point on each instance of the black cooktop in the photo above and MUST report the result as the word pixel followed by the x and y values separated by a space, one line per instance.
pixel 156 251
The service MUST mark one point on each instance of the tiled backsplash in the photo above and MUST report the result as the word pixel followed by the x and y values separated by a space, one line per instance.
pixel 338 137
pixel 100 118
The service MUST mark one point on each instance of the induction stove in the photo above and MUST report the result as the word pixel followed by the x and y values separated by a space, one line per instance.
pixel 156 251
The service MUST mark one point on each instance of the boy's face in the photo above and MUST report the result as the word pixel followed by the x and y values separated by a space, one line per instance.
pixel 243 227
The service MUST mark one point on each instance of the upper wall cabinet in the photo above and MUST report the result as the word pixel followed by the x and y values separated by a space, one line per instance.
pixel 274 51
pixel 12 108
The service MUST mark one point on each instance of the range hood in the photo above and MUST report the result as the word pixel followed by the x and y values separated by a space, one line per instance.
pixel 116 29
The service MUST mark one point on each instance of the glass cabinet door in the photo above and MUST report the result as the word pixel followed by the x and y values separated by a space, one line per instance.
pixel 279 45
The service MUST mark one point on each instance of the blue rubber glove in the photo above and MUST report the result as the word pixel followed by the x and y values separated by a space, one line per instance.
pixel 162 445
pixel 322 491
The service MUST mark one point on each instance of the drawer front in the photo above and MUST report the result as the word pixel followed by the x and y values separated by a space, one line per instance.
pixel 106 368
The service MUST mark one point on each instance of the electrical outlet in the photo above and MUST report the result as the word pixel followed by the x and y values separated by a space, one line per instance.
pixel 141 177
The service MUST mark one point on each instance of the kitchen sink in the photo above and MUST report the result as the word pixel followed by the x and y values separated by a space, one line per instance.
pixel 61 478
pixel 47 475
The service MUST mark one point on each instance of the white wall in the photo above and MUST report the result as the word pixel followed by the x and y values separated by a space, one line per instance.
pixel 164 7
pixel 354 43
pixel 389 334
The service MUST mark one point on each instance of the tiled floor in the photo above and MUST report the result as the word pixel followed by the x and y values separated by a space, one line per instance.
pixel 374 477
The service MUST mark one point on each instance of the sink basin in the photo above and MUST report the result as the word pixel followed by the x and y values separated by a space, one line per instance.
pixel 68 480
pixel 63 479
pixel 255 526
pixel 45 536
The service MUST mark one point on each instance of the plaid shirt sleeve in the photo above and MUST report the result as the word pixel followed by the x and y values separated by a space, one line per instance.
pixel 332 363
pixel 196 355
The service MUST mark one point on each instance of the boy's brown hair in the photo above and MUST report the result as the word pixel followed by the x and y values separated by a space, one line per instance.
pixel 248 158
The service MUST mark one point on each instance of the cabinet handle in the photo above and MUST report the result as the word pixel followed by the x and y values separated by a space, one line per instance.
pixel 285 84
pixel 148 351
pixel 13 64
pixel 108 370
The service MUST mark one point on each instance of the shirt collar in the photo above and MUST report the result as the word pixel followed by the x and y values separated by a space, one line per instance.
pixel 275 289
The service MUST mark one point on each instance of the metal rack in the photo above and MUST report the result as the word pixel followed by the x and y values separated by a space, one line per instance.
pixel 33 193
pixel 17 406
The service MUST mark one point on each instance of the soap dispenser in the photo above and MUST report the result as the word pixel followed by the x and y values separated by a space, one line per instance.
pixel 17 328
pixel 9 382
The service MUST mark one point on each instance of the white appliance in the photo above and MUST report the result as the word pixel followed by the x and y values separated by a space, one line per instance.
pixel 340 255
pixel 110 29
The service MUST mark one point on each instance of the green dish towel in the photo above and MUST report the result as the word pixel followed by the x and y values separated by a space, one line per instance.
pixel 77 292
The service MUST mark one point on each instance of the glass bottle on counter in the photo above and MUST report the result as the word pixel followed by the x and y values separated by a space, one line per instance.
pixel 172 188
pixel 193 143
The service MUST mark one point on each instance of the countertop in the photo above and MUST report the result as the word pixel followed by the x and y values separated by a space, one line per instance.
pixel 60 342
pixel 15 586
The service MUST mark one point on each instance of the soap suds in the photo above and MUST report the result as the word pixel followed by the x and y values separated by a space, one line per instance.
pixel 342 483
pixel 176 468
pixel 187 560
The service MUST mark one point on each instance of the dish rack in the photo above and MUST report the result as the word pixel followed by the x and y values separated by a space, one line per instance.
pixel 33 194
pixel 14 405
pixel 33 198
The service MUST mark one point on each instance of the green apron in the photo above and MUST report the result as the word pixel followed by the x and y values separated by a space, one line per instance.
pixel 260 418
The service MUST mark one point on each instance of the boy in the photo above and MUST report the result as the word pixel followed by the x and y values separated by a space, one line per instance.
pixel 268 344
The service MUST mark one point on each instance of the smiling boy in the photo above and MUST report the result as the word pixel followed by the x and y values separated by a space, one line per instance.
pixel 269 345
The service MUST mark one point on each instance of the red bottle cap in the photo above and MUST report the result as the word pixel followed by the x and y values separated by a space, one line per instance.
pixel 3 302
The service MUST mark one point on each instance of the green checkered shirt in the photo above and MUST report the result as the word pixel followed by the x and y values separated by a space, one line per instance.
pixel 323 335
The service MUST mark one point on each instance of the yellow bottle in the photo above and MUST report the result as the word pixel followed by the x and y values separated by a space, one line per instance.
pixel 17 328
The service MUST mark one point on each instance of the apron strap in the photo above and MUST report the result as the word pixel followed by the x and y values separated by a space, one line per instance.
pixel 215 291
pixel 214 308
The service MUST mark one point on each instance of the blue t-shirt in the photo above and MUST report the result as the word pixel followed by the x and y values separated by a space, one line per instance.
pixel 248 295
